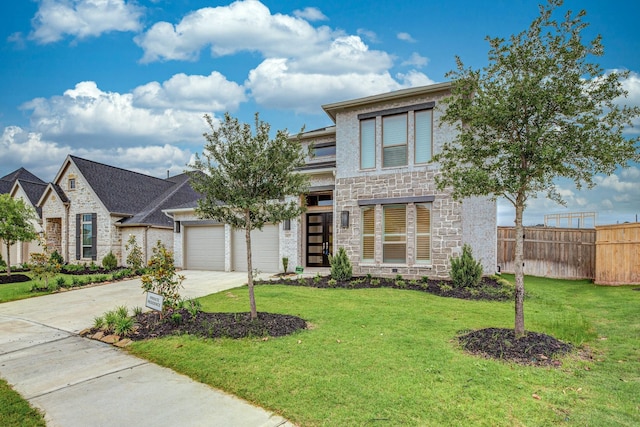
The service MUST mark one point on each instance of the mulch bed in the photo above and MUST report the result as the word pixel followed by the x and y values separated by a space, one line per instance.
pixel 14 278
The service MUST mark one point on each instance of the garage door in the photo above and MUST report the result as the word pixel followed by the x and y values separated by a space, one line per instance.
pixel 264 245
pixel 204 247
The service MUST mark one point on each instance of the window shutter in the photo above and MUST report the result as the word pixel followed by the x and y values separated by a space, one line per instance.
pixel 94 237
pixel 368 144
pixel 424 135
pixel 368 233
pixel 78 234
pixel 423 234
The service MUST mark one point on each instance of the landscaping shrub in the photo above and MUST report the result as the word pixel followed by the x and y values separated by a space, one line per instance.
pixel 134 257
pixel 56 258
pixel 110 262
pixel 162 278
pixel 465 270
pixel 341 266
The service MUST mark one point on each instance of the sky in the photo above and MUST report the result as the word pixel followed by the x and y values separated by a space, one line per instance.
pixel 127 83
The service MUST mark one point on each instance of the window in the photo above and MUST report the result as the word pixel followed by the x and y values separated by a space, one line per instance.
pixel 394 238
pixel 86 236
pixel 423 233
pixel 72 183
pixel 368 144
pixel 423 135
pixel 322 150
pixel 394 140
pixel 368 233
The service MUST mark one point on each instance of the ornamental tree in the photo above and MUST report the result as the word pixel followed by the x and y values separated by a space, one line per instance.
pixel 245 178
pixel 16 224
pixel 540 110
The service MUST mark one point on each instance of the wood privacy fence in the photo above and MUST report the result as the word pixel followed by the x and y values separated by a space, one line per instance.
pixel 562 253
pixel 618 254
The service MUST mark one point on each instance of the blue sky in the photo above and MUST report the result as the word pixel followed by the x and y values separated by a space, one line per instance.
pixel 127 83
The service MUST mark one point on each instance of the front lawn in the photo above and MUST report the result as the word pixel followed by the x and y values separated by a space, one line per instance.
pixel 15 411
pixel 391 357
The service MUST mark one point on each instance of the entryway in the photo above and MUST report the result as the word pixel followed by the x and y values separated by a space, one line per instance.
pixel 319 238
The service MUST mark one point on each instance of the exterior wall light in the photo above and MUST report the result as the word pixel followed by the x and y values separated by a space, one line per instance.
pixel 344 219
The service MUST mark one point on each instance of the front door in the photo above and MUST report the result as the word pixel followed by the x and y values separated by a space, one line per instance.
pixel 319 238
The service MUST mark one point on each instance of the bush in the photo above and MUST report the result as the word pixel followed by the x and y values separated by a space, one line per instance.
pixel 465 271
pixel 56 258
pixel 110 262
pixel 134 257
pixel 162 278
pixel 340 266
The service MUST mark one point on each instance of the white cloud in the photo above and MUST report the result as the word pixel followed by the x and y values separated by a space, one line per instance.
pixel 368 34
pixel 632 173
pixel 310 14
pixel 614 183
pixel 196 93
pixel 83 18
pixel 416 60
pixel 245 25
pixel 89 115
pixel 406 37
pixel 44 158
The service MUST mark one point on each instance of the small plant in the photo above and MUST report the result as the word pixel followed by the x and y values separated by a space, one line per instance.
pixel 193 306
pixel 399 277
pixel 444 287
pixel 400 283
pixel 466 272
pixel 98 322
pixel 425 279
pixel 332 283
pixel 43 269
pixel 176 318
pixel 109 262
pixel 137 310
pixel 369 276
pixel 93 266
pixel 123 326
pixel 61 282
pixel 162 278
pixel 3 263
pixel 375 282
pixel 413 282
pixel 341 268
pixel 122 311
pixel 56 258
pixel 302 281
pixel 110 320
pixel 75 281
pixel 285 264
pixel 317 278
pixel 134 257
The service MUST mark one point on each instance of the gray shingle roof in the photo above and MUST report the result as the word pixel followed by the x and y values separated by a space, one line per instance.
pixel 31 184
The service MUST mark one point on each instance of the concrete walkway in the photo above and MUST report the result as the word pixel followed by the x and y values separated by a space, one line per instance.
pixel 80 382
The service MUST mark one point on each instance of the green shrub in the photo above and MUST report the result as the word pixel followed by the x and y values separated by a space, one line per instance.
pixel 110 262
pixel 465 271
pixel 332 283
pixel 285 264
pixel 56 258
pixel 134 257
pixel 340 266
pixel 162 278
pixel 98 322
pixel 317 278
pixel 61 282
pixel 123 326
pixel 3 263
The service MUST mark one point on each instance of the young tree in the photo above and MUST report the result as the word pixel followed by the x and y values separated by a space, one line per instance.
pixel 245 177
pixel 538 111
pixel 16 224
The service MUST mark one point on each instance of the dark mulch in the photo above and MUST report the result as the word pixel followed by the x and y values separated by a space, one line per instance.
pixel 215 325
pixel 488 290
pixel 14 278
pixel 532 349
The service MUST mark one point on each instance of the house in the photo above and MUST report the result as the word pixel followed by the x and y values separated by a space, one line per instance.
pixel 91 209
pixel 22 184
pixel 372 192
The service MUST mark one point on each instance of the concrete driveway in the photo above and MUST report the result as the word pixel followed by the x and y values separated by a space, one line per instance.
pixel 80 382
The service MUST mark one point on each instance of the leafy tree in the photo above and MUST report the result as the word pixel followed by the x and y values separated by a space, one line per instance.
pixel 134 257
pixel 245 177
pixel 16 224
pixel 540 110
pixel 162 278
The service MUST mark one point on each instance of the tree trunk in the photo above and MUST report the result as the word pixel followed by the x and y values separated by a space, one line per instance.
pixel 252 297
pixel 8 260
pixel 519 270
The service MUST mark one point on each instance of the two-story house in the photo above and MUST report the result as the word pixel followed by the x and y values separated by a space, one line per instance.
pixel 372 192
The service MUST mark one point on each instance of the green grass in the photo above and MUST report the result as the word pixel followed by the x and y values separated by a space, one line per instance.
pixel 385 356
pixel 15 411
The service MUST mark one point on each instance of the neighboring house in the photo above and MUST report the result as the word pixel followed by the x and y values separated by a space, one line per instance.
pixel 22 184
pixel 372 192
pixel 91 209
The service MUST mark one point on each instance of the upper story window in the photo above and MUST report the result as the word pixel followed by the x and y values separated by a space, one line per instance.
pixel 72 183
pixel 324 149
pixel 397 144
pixel 368 143
pixel 394 140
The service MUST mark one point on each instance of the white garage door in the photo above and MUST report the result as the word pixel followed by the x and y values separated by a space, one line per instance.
pixel 264 244
pixel 204 247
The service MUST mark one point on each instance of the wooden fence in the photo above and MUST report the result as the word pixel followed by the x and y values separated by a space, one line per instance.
pixel 562 253
pixel 618 254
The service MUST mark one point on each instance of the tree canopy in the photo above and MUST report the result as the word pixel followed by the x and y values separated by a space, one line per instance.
pixel 540 110
pixel 248 180
pixel 16 223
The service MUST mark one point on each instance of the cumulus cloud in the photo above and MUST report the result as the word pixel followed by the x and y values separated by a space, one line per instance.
pixel 310 14
pixel 246 25
pixel 44 157
pixel 83 18
pixel 406 37
pixel 416 60
pixel 95 117
pixel 191 92
pixel 369 35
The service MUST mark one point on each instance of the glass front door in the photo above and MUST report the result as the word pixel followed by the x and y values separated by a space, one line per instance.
pixel 319 238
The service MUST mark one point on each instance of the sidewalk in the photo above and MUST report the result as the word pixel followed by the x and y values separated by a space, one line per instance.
pixel 80 382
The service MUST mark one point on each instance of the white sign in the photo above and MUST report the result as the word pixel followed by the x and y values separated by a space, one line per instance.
pixel 154 301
